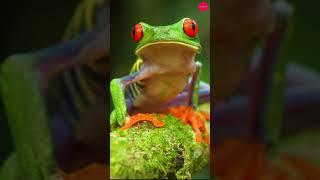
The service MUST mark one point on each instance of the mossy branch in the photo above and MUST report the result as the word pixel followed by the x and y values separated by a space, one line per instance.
pixel 146 152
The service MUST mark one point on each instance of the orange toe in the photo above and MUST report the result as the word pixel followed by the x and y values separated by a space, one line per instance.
pixel 205 115
pixel 194 118
pixel 143 117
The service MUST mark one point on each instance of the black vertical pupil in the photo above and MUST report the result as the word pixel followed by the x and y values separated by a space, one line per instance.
pixel 193 25
pixel 134 31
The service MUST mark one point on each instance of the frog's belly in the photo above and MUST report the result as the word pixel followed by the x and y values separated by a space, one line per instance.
pixel 160 90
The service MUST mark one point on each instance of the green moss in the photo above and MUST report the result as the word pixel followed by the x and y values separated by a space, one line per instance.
pixel 144 151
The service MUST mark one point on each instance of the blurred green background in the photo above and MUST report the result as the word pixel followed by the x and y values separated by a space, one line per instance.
pixel 304 42
pixel 29 26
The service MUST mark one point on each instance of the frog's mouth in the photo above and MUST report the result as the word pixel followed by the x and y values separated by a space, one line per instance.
pixel 170 54
pixel 169 44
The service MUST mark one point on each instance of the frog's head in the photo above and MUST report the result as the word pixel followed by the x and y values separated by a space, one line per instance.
pixel 181 35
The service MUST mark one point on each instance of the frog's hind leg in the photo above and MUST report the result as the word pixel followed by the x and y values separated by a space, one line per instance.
pixel 183 98
pixel 190 98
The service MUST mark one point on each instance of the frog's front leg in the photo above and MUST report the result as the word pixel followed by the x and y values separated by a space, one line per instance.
pixel 188 114
pixel 120 116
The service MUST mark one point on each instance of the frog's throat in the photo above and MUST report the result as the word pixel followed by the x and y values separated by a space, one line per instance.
pixel 195 48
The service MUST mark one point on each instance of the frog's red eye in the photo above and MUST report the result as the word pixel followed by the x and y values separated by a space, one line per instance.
pixel 137 32
pixel 190 27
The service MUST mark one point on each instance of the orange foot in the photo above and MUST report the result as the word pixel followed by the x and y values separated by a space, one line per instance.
pixel 194 118
pixel 142 117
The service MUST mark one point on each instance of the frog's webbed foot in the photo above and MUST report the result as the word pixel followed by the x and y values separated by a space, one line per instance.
pixel 130 121
pixel 195 118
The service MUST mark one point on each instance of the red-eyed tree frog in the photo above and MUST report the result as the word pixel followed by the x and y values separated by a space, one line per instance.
pixel 164 75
